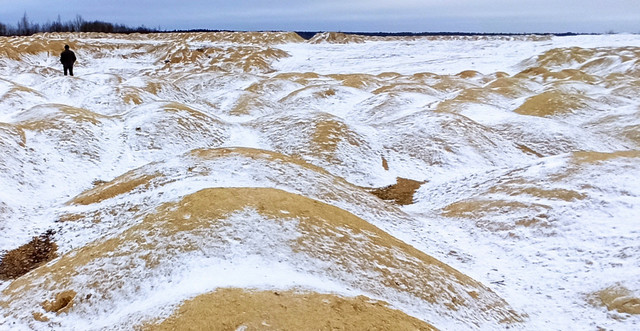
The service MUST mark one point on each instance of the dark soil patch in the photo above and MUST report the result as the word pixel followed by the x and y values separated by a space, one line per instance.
pixel 27 257
pixel 401 192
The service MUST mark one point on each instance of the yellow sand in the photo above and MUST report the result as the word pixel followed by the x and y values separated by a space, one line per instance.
pixel 233 309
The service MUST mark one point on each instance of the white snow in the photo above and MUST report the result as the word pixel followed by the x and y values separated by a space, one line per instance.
pixel 438 56
pixel 547 273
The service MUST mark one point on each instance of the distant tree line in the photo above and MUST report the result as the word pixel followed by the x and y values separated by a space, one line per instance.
pixel 24 27
pixel 309 34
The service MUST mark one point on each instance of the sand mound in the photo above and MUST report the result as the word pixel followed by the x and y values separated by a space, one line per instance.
pixel 336 38
pixel 519 203
pixel 543 74
pixel 298 77
pixel 99 45
pixel 133 195
pixel 591 157
pixel 61 304
pixel 619 298
pixel 564 56
pixel 249 37
pixel 241 57
pixel 624 87
pixel 208 227
pixel 551 103
pixel 325 141
pixel 233 309
pixel 250 51
pixel 359 81
pixel 546 137
pixel 586 64
pixel 15 97
pixel 251 104
pixel 17 48
pixel 405 87
pixel 324 93
pixel 437 140
pixel 121 185
pixel 77 131
pixel 511 87
pixel 12 145
pixel 203 168
pixel 55 116
pixel 626 126
pixel 171 128
pixel 472 96
pixel 483 213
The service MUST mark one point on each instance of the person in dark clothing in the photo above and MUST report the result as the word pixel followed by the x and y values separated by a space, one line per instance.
pixel 67 58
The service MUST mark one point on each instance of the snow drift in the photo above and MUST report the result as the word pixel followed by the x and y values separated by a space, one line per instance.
pixel 402 183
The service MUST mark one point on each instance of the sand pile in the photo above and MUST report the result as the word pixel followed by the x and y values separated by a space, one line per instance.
pixel 534 203
pixel 253 38
pixel 246 58
pixel 325 141
pixel 620 299
pixel 16 48
pixel 209 227
pixel 347 179
pixel 175 127
pixel 439 139
pixel 278 310
pixel 203 168
pixel 12 141
pixel 336 38
pixel 552 103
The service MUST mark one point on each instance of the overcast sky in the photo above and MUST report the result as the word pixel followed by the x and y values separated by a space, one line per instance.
pixel 343 15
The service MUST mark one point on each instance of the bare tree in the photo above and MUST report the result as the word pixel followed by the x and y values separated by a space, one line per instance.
pixel 56 26
pixel 24 27
pixel 77 23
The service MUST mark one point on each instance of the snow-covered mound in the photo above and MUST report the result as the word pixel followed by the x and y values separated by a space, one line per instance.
pixel 360 182
pixel 250 238
pixel 336 38
pixel 282 310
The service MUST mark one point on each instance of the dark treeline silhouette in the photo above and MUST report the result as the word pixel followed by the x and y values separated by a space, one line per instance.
pixel 24 27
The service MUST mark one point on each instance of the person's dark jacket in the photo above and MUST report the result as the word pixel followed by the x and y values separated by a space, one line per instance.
pixel 67 57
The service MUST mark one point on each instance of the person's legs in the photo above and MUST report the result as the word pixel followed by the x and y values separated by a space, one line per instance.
pixel 65 69
pixel 71 70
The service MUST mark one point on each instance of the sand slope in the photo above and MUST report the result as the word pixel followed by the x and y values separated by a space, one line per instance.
pixel 485 182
